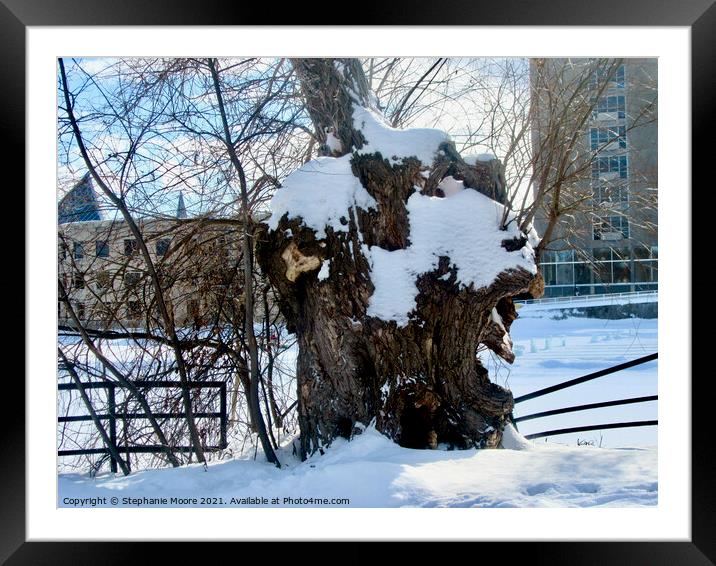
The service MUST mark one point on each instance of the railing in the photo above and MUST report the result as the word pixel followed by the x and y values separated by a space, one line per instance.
pixel 112 415
pixel 613 297
pixel 575 408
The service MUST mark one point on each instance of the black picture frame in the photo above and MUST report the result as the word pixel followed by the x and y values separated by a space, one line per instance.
pixel 16 15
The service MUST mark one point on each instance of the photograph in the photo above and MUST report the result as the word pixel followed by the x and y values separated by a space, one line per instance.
pixel 357 282
pixel 408 280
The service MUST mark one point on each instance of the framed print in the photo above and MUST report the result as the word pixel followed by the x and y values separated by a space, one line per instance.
pixel 175 321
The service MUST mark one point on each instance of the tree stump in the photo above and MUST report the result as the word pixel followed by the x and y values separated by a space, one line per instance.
pixel 418 379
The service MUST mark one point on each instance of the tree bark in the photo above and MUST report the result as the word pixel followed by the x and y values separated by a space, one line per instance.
pixel 421 384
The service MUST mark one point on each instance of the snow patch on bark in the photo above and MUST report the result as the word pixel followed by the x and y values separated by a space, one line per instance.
pixel 325 270
pixel 496 318
pixel 320 192
pixel 465 228
pixel 479 158
pixel 451 186
pixel 333 143
pixel 394 144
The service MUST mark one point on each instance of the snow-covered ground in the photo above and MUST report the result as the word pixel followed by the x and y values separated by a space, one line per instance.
pixel 372 471
pixel 551 351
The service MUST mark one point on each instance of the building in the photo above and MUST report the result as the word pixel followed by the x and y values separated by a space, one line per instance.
pixel 105 276
pixel 606 241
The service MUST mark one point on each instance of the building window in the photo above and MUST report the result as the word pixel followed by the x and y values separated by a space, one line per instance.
pixel 222 250
pixel 564 256
pixel 600 138
pixel 610 108
pixel 645 271
pixel 610 197
pixel 78 280
pixel 582 274
pixel 621 254
pixel 606 168
pixel 617 80
pixel 130 247
pixel 132 279
pixel 548 256
pixel 134 309
pixel 162 247
pixel 619 77
pixel 565 274
pixel 611 228
pixel 622 272
pixel 63 250
pixel 603 272
pixel 549 272
pixel 602 254
pixel 78 250
pixel 103 280
pixel 101 248
pixel 108 312
pixel 80 311
pixel 642 252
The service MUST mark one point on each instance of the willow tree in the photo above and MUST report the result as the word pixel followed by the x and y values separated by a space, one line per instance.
pixel 394 264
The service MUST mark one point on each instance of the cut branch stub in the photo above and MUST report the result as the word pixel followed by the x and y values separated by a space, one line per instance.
pixel 485 177
pixel 297 263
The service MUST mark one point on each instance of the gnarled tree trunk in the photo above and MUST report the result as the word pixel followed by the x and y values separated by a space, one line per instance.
pixel 419 380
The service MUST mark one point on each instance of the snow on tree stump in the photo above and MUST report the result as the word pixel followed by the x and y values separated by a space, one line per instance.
pixel 393 267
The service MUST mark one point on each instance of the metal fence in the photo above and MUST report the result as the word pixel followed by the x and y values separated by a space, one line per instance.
pixel 575 408
pixel 112 416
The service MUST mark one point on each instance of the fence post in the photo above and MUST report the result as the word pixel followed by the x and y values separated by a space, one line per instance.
pixel 112 426
pixel 222 393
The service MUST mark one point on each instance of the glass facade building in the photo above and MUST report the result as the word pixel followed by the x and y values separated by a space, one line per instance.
pixel 611 244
